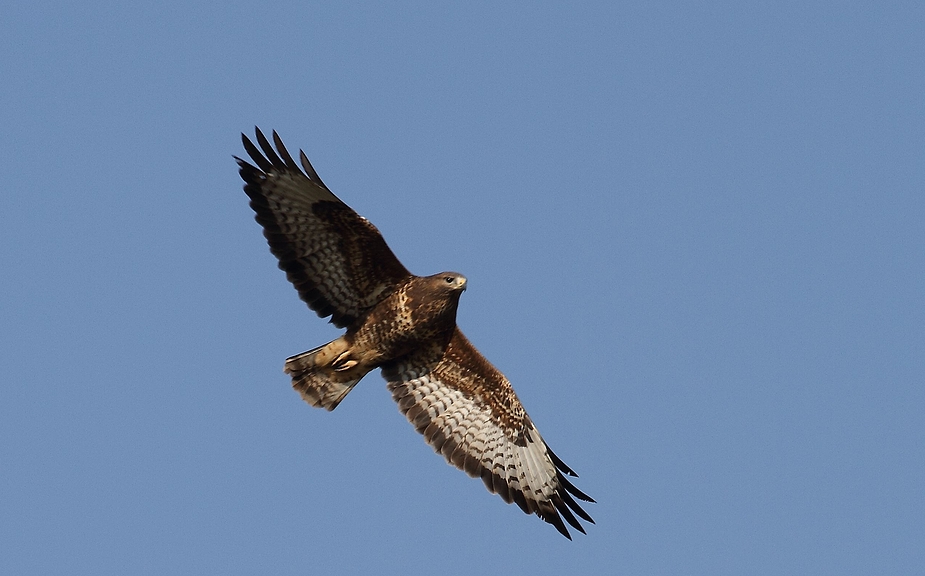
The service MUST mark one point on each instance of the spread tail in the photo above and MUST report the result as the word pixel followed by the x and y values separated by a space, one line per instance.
pixel 325 375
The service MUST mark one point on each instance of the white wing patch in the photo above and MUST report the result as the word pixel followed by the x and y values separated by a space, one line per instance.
pixel 515 464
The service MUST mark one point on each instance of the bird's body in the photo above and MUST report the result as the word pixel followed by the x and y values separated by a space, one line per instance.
pixel 406 325
pixel 419 312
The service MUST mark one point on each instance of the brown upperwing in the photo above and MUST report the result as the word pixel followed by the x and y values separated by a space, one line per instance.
pixel 335 258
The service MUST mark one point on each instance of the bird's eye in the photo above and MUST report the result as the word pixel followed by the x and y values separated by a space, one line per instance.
pixel 449 279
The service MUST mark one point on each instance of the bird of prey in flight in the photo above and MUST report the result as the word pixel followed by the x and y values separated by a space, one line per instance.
pixel 405 325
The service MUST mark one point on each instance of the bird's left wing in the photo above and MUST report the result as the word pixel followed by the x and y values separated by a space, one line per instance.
pixel 468 412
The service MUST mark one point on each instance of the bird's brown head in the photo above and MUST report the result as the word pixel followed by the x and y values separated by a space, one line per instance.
pixel 434 298
pixel 449 281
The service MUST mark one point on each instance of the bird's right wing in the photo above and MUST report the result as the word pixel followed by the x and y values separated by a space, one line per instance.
pixel 468 412
pixel 335 258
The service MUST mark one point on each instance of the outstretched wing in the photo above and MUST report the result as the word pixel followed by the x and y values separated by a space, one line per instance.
pixel 468 412
pixel 335 258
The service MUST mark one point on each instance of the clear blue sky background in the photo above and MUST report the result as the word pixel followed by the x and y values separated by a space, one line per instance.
pixel 694 235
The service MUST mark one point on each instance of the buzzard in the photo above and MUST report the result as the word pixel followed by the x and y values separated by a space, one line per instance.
pixel 406 326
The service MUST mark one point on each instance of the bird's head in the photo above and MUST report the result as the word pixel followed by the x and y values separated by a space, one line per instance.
pixel 450 281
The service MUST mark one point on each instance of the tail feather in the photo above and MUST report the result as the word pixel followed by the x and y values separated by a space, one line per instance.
pixel 320 375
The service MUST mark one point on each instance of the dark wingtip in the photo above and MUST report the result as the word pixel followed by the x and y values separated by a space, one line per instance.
pixel 309 169
pixel 268 151
pixel 563 509
pixel 569 502
pixel 287 158
pixel 255 154
pixel 559 463
pixel 560 526
pixel 570 488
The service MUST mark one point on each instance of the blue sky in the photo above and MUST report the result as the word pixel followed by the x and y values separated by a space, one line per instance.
pixel 694 240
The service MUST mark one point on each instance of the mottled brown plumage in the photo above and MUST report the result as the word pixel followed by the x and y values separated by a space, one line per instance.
pixel 406 325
